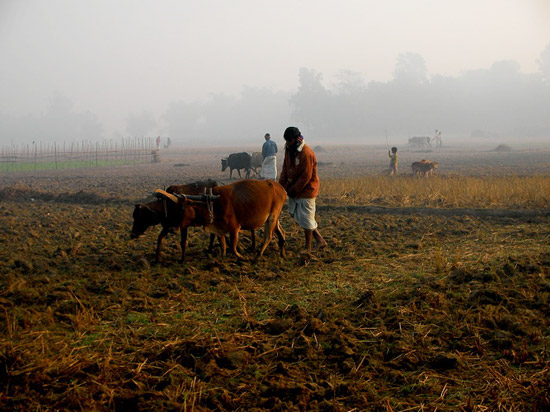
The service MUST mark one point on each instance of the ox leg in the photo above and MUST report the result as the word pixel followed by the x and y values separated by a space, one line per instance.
pixel 183 243
pixel 223 244
pixel 281 238
pixel 161 237
pixel 269 227
pixel 234 238
pixel 211 243
pixel 253 240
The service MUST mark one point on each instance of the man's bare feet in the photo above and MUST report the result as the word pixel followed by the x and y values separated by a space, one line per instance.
pixel 321 245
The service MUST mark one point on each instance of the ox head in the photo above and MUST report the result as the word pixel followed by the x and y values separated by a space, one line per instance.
pixel 224 164
pixel 150 214
pixel 435 164
pixel 144 217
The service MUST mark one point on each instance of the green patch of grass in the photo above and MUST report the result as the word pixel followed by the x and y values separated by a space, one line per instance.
pixel 138 318
pixel 92 339
pixel 66 164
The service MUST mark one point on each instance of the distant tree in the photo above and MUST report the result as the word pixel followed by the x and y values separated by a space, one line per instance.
pixel 223 119
pixel 59 122
pixel 350 82
pixel 410 68
pixel 544 63
pixel 139 124
pixel 349 112
pixel 311 102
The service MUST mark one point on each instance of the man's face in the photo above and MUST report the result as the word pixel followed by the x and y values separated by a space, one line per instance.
pixel 290 141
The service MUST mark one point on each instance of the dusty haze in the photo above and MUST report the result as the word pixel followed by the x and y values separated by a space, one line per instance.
pixel 214 72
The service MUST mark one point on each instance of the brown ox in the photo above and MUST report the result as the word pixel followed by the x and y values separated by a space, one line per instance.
pixel 424 168
pixel 198 188
pixel 243 205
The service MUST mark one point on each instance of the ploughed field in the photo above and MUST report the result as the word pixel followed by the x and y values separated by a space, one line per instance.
pixel 433 294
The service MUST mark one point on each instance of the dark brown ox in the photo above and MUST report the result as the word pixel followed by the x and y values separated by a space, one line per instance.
pixel 167 214
pixel 237 161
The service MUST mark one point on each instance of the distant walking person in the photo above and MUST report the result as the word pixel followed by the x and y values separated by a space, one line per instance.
pixel 158 142
pixel 301 182
pixel 269 153
pixel 437 138
pixel 394 161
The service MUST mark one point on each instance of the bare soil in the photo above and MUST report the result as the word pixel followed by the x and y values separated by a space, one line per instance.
pixel 407 309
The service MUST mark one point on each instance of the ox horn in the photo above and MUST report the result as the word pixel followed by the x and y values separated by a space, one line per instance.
pixel 159 193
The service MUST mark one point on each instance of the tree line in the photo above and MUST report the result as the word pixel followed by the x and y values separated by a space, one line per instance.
pixel 497 101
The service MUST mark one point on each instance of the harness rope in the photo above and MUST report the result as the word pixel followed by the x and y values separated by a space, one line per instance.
pixel 210 208
pixel 207 198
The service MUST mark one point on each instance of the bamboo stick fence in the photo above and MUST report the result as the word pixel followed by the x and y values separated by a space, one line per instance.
pixel 44 156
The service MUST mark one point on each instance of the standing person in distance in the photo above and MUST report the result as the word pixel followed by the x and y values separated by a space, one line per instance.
pixel 439 141
pixel 301 182
pixel 394 161
pixel 269 153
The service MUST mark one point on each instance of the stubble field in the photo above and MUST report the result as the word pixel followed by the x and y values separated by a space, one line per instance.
pixel 432 295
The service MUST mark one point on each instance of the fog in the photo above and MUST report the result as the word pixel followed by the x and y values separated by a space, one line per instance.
pixel 212 72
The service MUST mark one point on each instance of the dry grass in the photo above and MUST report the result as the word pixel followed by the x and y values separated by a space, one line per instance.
pixel 515 192
pixel 403 311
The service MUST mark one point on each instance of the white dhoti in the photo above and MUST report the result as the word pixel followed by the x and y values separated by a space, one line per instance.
pixel 269 168
pixel 303 212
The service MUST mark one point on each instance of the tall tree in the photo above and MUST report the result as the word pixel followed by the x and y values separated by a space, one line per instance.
pixel 410 68
pixel 311 102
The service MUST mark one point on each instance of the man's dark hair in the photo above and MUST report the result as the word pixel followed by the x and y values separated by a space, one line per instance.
pixel 292 132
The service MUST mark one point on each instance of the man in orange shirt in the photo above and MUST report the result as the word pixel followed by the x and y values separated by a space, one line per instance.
pixel 301 182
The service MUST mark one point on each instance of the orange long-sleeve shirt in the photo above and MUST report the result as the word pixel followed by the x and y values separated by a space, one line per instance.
pixel 299 175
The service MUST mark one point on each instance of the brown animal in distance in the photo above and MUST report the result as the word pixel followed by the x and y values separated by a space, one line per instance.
pixel 424 168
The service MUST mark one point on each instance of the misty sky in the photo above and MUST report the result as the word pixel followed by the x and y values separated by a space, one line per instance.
pixel 116 57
